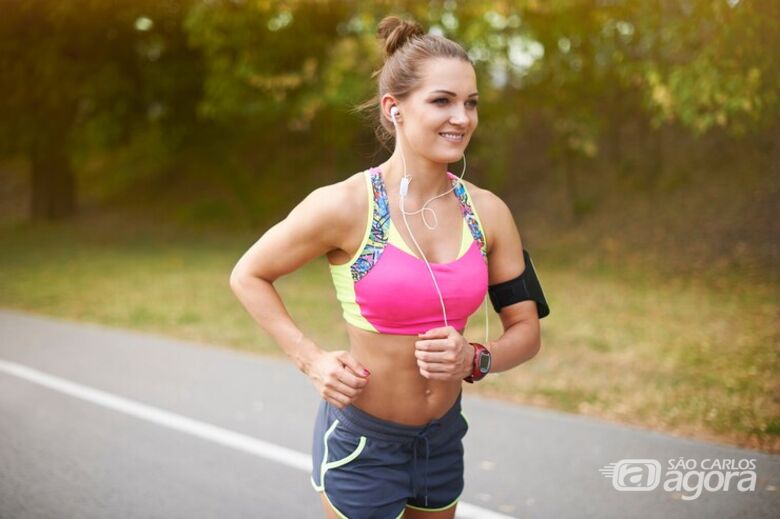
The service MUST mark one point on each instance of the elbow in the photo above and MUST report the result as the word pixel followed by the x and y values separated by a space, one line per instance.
pixel 239 279
pixel 236 280
pixel 233 283
pixel 535 344
pixel 537 348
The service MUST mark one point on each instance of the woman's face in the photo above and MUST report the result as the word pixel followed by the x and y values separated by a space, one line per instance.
pixel 444 103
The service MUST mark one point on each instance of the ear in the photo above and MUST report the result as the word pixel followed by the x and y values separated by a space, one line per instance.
pixel 387 102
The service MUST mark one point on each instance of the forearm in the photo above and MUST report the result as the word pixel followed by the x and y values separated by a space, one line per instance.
pixel 263 303
pixel 520 343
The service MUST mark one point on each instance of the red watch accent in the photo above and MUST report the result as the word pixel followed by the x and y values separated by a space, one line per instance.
pixel 480 364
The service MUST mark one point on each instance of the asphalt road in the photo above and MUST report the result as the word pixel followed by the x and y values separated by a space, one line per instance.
pixel 98 422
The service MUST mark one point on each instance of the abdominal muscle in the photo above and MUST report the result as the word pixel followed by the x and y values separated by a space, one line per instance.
pixel 396 390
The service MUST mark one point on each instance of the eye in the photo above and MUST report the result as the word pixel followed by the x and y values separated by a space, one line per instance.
pixel 473 102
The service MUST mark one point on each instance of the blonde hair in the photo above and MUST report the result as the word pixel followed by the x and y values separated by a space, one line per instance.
pixel 406 46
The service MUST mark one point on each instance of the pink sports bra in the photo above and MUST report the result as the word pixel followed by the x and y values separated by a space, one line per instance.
pixel 386 288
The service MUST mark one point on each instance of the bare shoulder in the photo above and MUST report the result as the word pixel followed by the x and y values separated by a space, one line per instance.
pixel 493 212
pixel 339 206
pixel 335 202
pixel 345 199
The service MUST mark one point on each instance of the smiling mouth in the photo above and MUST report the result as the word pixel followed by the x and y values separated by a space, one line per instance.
pixel 452 137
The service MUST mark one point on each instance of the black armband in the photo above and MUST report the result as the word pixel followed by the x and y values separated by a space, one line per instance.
pixel 524 287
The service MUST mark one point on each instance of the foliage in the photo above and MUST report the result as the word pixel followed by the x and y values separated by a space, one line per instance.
pixel 264 87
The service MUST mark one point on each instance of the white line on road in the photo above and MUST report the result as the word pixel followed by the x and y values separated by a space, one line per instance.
pixel 204 430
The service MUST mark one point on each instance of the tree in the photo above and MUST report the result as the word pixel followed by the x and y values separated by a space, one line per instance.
pixel 88 73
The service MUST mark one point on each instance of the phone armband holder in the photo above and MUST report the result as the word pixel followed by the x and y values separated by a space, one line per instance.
pixel 524 287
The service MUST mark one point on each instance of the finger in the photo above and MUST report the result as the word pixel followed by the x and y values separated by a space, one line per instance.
pixel 438 357
pixel 435 367
pixel 346 377
pixel 433 345
pixel 336 399
pixel 360 375
pixel 353 364
pixel 442 331
pixel 343 391
pixel 433 375
pixel 333 382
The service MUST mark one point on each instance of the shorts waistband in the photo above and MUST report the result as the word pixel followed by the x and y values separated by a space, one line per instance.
pixel 369 425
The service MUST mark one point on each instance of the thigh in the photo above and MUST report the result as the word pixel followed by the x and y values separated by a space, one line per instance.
pixel 416 513
pixel 330 512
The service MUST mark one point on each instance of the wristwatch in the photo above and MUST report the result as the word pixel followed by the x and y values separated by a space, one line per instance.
pixel 481 364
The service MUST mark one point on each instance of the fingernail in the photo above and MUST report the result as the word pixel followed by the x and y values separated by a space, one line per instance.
pixel 366 372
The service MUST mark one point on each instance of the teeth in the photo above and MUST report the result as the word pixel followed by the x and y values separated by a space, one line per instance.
pixel 452 135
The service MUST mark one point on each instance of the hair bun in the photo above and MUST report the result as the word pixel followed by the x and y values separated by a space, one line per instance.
pixel 396 32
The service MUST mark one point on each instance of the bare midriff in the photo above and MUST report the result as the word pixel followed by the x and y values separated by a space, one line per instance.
pixel 396 390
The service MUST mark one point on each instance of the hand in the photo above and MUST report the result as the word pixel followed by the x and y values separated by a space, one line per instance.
pixel 444 354
pixel 338 377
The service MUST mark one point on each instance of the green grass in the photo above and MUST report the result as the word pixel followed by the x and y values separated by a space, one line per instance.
pixel 695 356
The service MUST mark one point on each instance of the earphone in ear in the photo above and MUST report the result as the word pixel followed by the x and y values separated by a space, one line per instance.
pixel 394 111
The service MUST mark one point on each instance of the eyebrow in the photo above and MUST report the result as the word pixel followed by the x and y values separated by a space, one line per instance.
pixel 453 93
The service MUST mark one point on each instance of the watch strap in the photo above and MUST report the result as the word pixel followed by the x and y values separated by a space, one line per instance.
pixel 476 373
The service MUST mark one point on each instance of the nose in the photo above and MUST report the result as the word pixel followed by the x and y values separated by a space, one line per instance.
pixel 459 117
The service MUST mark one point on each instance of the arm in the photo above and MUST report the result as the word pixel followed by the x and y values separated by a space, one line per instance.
pixel 521 339
pixel 312 228
pixel 443 353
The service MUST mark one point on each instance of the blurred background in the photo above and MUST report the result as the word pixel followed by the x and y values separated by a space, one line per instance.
pixel 146 144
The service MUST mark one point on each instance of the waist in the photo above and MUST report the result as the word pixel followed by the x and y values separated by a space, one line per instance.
pixel 396 391
pixel 362 422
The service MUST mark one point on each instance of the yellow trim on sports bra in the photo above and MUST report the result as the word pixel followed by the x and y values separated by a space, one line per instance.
pixel 369 215
pixel 342 275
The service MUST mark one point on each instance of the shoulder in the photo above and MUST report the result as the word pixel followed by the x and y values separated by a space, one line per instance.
pixel 493 212
pixel 349 197
pixel 340 199
pixel 336 205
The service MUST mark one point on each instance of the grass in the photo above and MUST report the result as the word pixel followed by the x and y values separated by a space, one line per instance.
pixel 694 356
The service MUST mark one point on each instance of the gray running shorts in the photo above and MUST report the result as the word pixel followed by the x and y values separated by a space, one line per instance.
pixel 372 468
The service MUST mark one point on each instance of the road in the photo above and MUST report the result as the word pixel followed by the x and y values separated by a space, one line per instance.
pixel 99 422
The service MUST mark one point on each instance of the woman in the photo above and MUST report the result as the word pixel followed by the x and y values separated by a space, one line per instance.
pixel 387 439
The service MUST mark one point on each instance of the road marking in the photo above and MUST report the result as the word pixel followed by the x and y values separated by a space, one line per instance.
pixel 203 430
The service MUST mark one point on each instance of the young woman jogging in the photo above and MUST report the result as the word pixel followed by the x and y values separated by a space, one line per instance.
pixel 413 250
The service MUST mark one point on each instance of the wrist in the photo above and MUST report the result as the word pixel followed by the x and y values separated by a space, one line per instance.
pixel 481 363
pixel 305 353
pixel 468 364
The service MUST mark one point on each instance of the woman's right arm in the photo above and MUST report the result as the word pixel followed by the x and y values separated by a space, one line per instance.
pixel 315 226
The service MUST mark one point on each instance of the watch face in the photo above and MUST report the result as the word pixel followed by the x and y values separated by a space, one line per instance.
pixel 484 362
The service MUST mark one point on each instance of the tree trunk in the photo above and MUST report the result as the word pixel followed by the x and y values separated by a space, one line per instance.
pixel 53 181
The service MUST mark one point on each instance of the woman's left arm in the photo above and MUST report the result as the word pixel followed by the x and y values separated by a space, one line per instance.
pixel 443 353
pixel 521 339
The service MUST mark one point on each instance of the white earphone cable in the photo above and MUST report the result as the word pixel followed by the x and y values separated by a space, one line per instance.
pixel 424 208
pixel 405 181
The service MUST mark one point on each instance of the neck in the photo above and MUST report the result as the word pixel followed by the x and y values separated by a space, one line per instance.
pixel 428 179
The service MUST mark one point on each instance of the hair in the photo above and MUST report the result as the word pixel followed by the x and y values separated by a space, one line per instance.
pixel 406 47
